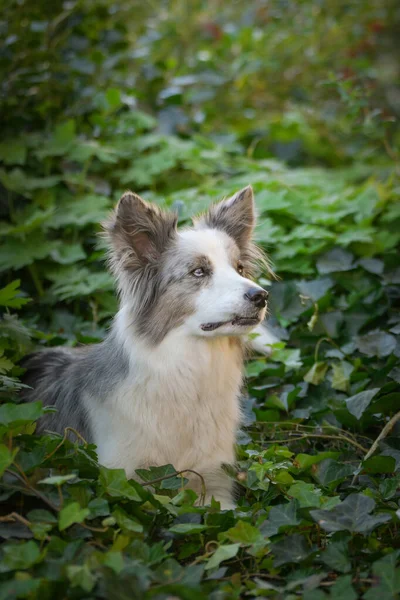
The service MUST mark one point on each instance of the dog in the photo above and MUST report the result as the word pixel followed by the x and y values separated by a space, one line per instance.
pixel 164 386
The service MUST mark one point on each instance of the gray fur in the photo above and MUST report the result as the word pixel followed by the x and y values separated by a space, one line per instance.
pixel 62 377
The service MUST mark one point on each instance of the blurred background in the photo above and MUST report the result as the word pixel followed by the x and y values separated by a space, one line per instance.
pixel 184 102
pixel 309 82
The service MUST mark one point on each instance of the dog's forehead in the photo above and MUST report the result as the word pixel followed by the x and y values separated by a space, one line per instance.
pixel 213 243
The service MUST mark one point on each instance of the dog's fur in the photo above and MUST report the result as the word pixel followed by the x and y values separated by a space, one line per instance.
pixel 164 385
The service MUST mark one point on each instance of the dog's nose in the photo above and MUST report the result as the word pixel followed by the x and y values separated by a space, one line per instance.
pixel 257 297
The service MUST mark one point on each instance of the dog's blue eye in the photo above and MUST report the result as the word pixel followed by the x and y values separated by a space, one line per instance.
pixel 199 272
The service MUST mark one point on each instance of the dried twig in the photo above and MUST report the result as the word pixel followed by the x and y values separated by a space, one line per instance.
pixel 385 431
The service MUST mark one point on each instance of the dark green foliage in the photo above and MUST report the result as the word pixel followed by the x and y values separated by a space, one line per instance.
pixel 185 103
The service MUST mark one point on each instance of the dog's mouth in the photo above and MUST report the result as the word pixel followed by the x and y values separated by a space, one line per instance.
pixel 236 322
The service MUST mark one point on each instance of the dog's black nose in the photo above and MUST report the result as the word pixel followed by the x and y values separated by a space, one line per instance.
pixel 257 297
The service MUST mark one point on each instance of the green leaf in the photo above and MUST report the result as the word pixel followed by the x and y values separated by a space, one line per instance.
pixel 376 343
pixel 17 414
pixel 317 373
pixel 18 556
pixel 6 457
pixel 114 483
pixel 19 588
pixel 282 515
pixel 356 405
pixel 244 533
pixel 68 254
pixel 305 461
pixel 57 479
pixel 81 211
pixel 343 588
pixel 292 549
pixel 379 464
pixel 9 295
pixel 187 528
pixel 115 561
pixel 5 363
pixel 125 521
pixel 388 578
pixel 170 483
pixel 221 554
pixel 306 494
pixel 341 372
pixel 81 576
pixel 336 556
pixel 335 260
pixel 113 96
pixel 15 254
pixel 330 472
pixel 13 152
pixel 70 514
pixel 353 514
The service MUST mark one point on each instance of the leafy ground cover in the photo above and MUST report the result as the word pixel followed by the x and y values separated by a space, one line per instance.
pixel 319 455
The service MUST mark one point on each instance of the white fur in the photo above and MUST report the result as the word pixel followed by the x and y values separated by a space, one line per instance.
pixel 179 403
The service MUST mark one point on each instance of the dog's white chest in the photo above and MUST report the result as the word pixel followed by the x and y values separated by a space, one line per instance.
pixel 182 407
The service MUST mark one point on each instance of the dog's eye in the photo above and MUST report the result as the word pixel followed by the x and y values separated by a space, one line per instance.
pixel 199 272
pixel 240 268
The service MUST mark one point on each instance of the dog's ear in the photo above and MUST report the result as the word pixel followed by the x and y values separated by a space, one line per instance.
pixel 235 216
pixel 138 232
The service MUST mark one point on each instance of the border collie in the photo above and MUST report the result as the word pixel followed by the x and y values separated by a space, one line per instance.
pixel 164 385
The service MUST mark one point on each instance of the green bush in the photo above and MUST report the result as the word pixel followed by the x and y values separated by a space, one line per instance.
pixel 187 102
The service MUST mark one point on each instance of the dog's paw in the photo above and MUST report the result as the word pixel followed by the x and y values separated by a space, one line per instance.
pixel 263 340
pixel 227 505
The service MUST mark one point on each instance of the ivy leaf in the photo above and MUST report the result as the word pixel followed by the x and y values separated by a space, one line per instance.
pixel 244 533
pixel 376 343
pixel 305 461
pixel 353 514
pixel 336 556
pixel 187 528
pixel 282 515
pixel 17 414
pixel 114 482
pixel 343 588
pixel 292 549
pixel 222 553
pixel 20 556
pixel 330 472
pixel 388 576
pixel 125 521
pixel 6 457
pixel 356 405
pixel 306 494
pixel 341 372
pixel 70 514
pixel 335 260
pixel 317 373
pixel 81 576
pixel 57 479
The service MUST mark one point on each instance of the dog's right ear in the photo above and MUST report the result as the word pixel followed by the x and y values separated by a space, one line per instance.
pixel 138 232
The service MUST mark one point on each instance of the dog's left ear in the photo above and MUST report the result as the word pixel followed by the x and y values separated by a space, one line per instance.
pixel 235 216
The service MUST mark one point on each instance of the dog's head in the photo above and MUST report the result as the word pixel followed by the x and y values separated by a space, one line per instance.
pixel 198 278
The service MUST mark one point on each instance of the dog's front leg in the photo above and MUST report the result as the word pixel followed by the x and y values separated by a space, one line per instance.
pixel 263 339
pixel 218 485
